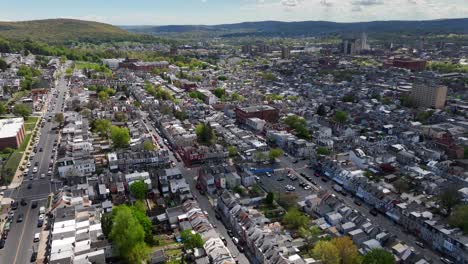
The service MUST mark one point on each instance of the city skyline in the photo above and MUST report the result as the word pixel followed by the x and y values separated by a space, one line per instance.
pixel 210 12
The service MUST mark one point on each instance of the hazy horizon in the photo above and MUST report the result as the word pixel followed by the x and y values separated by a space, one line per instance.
pixel 213 12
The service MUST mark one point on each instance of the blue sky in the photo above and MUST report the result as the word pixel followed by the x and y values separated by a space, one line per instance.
pixel 164 12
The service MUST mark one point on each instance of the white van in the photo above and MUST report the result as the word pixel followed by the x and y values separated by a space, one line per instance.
pixel 42 210
pixel 37 237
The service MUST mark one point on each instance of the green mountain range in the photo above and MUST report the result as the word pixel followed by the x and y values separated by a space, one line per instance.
pixel 63 31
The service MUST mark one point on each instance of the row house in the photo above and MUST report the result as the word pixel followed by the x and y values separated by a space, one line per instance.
pixel 265 241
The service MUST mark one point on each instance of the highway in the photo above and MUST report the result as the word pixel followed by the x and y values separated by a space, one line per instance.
pixel 19 243
pixel 204 203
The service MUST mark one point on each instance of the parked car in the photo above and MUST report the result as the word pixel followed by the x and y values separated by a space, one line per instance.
pixel 23 202
pixel 2 243
pixel 20 218
pixel 374 212
pixel 37 237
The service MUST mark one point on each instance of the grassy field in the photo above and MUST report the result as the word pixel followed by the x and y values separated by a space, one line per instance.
pixel 9 169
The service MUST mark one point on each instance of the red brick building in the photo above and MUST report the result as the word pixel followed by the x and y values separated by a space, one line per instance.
pixel 407 63
pixel 265 112
pixel 12 132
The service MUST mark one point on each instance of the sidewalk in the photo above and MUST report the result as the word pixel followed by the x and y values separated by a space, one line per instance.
pixel 18 177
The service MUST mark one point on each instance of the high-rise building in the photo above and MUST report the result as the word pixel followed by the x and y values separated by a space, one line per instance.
pixel 247 49
pixel 285 52
pixel 429 95
pixel 351 46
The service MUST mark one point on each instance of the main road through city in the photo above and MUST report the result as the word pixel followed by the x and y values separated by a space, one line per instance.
pixel 19 244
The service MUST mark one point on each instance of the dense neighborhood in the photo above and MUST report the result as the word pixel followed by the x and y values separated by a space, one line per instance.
pixel 253 153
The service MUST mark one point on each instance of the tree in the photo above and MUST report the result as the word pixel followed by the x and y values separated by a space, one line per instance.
pixel 3 109
pixel 106 223
pixel 237 97
pixel 326 252
pixel 128 235
pixel 449 198
pixel 402 185
pixel 59 118
pixel 299 125
pixel 347 250
pixel 148 145
pixel 191 239
pixel 219 92
pixel 275 153
pixel 349 98
pixel 232 151
pixel 294 219
pixel 120 116
pixel 139 212
pixel 22 110
pixel 378 256
pixel 321 110
pixel 270 198
pixel 3 65
pixel 103 95
pixel 323 151
pixel 287 200
pixel 139 189
pixel 340 116
pixel 459 218
pixel 139 253
pixel 205 134
pixel 120 136
pixel 310 235
pixel 101 126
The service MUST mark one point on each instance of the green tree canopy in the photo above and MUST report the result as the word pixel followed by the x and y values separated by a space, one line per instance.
pixel 321 110
pixel 3 65
pixel 449 198
pixel 378 256
pixel 59 118
pixel 127 236
pixel 219 92
pixel 101 126
pixel 294 219
pixel 310 235
pixel 459 218
pixel 340 116
pixel 205 134
pixel 120 136
pixel 120 116
pixel 299 125
pixel 327 252
pixel 323 151
pixel 270 198
pixel 275 153
pixel 148 145
pixel 3 109
pixel 232 151
pixel 191 239
pixel 347 250
pixel 22 110
pixel 139 189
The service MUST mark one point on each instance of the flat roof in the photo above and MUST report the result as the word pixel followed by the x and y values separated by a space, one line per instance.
pixel 10 127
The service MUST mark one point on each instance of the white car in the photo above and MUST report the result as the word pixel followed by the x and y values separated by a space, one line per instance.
pixel 35 170
pixel 42 175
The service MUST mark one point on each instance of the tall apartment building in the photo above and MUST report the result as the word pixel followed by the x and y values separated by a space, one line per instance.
pixel 285 52
pixel 429 95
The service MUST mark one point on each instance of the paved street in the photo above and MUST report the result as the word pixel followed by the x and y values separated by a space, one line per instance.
pixel 189 174
pixel 19 244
